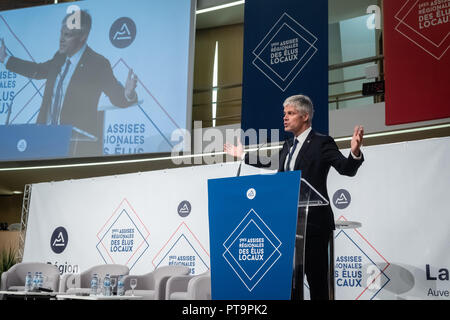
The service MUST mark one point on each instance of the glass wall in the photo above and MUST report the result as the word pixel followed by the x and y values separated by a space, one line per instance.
pixel 350 40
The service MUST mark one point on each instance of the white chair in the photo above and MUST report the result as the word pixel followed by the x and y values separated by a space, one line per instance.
pixel 81 282
pixel 189 287
pixel 14 278
pixel 152 285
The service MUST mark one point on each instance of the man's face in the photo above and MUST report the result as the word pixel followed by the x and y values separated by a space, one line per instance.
pixel 70 41
pixel 294 121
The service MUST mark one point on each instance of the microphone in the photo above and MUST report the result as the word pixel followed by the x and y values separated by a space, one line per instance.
pixel 239 169
pixel 242 160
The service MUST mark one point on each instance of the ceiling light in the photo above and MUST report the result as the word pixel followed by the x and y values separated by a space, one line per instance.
pixel 391 133
pixel 223 6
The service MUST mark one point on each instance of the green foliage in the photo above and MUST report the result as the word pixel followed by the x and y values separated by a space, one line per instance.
pixel 8 258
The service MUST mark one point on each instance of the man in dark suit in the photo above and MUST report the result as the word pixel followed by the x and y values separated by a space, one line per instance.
pixel 76 76
pixel 314 154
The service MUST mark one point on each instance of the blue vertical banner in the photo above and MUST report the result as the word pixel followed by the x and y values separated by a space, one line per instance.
pixel 252 223
pixel 285 53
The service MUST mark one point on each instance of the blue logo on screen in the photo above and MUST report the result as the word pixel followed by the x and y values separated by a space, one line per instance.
pixel 22 145
pixel 59 240
pixel 122 32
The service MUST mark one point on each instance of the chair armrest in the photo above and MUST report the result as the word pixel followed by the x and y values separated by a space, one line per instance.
pixel 68 281
pixel 177 284
pixel 3 281
pixel 63 282
pixel 199 288
pixel 160 287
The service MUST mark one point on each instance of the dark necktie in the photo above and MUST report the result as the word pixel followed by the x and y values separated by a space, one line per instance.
pixel 291 154
pixel 57 102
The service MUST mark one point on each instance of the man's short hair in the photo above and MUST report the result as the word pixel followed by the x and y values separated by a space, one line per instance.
pixel 302 103
pixel 85 22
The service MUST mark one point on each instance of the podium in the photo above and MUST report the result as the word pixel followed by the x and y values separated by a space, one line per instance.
pixel 252 224
pixel 257 230
pixel 36 141
pixel 309 197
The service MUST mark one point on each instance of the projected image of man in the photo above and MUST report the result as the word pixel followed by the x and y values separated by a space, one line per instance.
pixel 75 77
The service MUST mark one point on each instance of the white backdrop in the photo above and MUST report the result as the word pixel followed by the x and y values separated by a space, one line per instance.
pixel 142 220
pixel 400 195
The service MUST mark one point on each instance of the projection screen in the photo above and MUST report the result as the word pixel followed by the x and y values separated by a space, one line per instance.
pixel 127 87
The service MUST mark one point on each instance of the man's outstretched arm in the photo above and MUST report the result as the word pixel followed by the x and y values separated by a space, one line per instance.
pixel 26 68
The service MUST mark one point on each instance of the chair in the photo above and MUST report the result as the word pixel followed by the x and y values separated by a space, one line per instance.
pixel 14 278
pixel 152 285
pixel 189 287
pixel 81 283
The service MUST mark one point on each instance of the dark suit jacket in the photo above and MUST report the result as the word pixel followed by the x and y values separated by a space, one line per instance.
pixel 317 155
pixel 92 76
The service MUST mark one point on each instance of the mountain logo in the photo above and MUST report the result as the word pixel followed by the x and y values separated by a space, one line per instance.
pixel 251 193
pixel 342 199
pixel 122 32
pixel 22 145
pixel 184 208
pixel 59 240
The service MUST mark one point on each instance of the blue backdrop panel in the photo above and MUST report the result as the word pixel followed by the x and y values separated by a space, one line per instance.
pixel 285 53
pixel 252 223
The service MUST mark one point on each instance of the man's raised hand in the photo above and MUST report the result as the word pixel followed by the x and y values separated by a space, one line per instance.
pixel 357 139
pixel 130 85
pixel 232 150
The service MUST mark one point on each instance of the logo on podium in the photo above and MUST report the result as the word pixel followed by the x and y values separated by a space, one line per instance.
pixel 251 250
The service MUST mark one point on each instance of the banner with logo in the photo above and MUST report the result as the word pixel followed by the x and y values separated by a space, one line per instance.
pixel 252 225
pixel 285 53
pixel 142 220
pixel 399 196
pixel 417 59
pixel 150 219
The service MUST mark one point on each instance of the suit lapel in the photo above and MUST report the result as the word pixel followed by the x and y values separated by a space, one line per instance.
pixel 300 161
pixel 81 64
pixel 59 60
pixel 284 153
pixel 75 80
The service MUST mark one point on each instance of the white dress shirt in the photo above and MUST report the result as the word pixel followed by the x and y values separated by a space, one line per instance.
pixel 301 139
